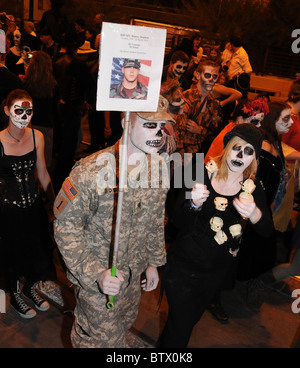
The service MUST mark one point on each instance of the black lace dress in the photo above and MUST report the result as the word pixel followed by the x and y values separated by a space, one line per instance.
pixel 26 245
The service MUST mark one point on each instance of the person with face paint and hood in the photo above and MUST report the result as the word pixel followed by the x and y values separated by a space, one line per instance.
pixel 84 230
pixel 26 243
pixel 210 220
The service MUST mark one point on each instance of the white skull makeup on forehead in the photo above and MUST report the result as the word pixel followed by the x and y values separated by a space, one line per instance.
pixel 255 119
pixel 20 113
pixel 146 136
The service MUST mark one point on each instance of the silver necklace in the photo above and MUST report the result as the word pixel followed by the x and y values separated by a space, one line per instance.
pixel 16 139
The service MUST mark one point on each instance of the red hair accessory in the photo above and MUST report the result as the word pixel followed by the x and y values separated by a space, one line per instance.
pixel 256 106
pixel 26 104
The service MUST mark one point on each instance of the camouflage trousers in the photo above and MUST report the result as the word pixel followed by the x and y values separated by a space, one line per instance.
pixel 96 326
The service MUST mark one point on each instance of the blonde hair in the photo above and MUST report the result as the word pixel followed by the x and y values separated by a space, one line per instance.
pixel 220 160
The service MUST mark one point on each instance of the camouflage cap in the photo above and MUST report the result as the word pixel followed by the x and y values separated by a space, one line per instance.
pixel 160 114
pixel 135 63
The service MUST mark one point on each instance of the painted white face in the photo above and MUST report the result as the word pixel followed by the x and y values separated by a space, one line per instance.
pixel 146 136
pixel 284 123
pixel 209 77
pixel 240 157
pixel 17 37
pixel 255 119
pixel 20 113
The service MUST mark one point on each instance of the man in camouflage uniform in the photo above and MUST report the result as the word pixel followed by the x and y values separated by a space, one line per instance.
pixel 85 210
pixel 130 87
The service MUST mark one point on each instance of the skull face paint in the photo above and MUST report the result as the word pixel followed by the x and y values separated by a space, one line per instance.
pixel 240 157
pixel 20 113
pixel 146 136
pixel 178 69
pixel 208 77
pixel 255 119
pixel 284 123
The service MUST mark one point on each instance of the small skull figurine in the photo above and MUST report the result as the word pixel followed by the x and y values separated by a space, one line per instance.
pixel 211 166
pixel 216 223
pixel 220 237
pixel 221 203
pixel 235 230
pixel 248 187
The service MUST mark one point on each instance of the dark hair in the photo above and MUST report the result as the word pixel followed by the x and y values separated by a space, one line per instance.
pixel 206 62
pixel 235 41
pixel 16 94
pixel 80 22
pixel 39 80
pixel 238 111
pixel 268 123
pixel 294 93
pixel 179 55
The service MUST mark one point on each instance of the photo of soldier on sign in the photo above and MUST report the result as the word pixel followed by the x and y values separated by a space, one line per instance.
pixel 129 78
pixel 130 67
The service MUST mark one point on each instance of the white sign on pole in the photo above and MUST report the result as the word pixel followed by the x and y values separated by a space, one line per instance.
pixel 130 67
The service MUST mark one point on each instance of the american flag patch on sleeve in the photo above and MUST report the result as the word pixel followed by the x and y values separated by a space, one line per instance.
pixel 69 189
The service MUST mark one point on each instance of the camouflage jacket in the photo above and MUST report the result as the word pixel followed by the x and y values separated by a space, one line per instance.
pixel 140 92
pixel 85 215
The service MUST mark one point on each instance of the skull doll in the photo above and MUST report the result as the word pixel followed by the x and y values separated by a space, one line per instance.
pixel 216 223
pixel 221 203
pixel 248 187
pixel 235 230
pixel 220 237
pixel 211 166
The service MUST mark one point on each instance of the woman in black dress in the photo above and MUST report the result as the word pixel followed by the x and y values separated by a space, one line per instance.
pixel 26 245
pixel 210 220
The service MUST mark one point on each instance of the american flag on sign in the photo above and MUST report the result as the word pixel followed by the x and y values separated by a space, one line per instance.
pixel 117 75
pixel 69 189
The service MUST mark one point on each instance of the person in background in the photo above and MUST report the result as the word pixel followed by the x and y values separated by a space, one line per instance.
pixel 43 88
pixel 13 59
pixel 239 62
pixel 177 68
pixel 201 120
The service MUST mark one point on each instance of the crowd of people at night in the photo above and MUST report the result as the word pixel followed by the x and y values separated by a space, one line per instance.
pixel 192 242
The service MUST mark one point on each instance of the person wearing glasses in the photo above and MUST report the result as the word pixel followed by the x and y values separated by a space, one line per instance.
pixel 201 120
pixel 26 243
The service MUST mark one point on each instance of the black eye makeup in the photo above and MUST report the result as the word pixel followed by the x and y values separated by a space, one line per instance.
pixel 20 111
pixel 209 75
pixel 153 125
pixel 249 151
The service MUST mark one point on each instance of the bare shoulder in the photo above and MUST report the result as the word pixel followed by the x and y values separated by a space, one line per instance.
pixel 39 136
